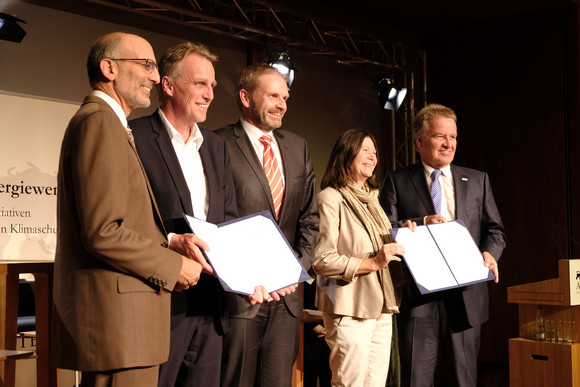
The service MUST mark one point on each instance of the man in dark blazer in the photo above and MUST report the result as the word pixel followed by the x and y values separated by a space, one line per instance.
pixel 189 170
pixel 112 273
pixel 450 319
pixel 263 341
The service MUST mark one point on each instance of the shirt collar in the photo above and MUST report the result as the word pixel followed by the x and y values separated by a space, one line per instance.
pixel 195 135
pixel 112 103
pixel 446 171
pixel 254 133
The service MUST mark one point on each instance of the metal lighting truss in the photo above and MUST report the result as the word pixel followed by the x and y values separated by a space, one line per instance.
pixel 257 20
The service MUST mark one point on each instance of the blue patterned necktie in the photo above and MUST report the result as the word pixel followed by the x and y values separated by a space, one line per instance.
pixel 436 190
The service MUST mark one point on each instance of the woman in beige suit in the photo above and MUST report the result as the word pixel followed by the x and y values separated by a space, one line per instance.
pixel 359 276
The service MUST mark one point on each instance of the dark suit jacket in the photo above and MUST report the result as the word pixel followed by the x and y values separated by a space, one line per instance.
pixel 173 197
pixel 405 195
pixel 112 277
pixel 299 212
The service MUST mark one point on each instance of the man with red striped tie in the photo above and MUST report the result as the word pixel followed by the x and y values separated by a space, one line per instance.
pixel 272 171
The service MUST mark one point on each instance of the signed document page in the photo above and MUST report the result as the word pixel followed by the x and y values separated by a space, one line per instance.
pixel 248 252
pixel 442 256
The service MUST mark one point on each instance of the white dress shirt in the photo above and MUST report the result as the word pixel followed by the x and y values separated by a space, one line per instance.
pixel 447 190
pixel 191 165
pixel 113 104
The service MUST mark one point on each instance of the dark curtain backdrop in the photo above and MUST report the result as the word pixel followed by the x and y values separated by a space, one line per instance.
pixel 514 86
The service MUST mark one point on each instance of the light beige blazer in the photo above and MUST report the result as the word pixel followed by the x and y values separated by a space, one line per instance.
pixel 112 277
pixel 343 243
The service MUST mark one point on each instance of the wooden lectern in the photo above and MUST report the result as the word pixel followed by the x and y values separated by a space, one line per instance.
pixel 9 274
pixel 546 363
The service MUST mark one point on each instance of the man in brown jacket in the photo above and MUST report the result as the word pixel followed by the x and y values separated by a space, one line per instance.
pixel 113 273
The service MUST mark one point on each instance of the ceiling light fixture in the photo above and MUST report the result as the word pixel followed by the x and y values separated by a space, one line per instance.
pixel 390 97
pixel 10 29
pixel 281 62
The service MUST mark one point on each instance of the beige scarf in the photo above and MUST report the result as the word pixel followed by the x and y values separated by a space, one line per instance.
pixel 365 205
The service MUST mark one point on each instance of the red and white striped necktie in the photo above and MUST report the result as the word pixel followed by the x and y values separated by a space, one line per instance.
pixel 273 173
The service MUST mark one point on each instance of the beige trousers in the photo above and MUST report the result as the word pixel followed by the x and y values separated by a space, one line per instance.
pixel 360 349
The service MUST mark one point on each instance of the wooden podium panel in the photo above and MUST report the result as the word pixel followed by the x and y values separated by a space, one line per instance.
pixel 544 363
pixel 9 273
pixel 541 364
pixel 563 291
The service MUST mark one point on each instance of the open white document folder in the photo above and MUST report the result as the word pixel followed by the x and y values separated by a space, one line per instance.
pixel 442 256
pixel 249 251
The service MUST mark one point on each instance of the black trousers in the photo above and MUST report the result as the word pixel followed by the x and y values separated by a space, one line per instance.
pixel 260 352
pixel 194 354
pixel 422 338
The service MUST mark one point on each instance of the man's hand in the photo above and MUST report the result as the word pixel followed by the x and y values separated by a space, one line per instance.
pixel 278 294
pixel 490 262
pixel 261 295
pixel 190 245
pixel 189 275
pixel 411 225
pixel 431 219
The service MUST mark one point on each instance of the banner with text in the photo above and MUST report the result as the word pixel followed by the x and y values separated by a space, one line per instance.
pixel 31 132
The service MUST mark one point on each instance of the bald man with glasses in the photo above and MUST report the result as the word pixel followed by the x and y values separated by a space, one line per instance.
pixel 113 272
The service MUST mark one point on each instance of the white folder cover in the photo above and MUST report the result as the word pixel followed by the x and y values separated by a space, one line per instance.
pixel 249 251
pixel 442 256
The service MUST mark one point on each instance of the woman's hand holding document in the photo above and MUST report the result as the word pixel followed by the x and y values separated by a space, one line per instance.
pixel 250 256
pixel 442 256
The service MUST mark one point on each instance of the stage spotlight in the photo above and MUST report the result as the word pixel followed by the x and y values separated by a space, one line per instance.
pixel 10 29
pixel 390 97
pixel 281 62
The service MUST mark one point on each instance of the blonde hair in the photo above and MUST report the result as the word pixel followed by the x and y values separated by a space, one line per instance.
pixel 170 63
pixel 420 123
pixel 250 78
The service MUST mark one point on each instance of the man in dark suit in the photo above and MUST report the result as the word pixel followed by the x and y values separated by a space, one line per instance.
pixel 263 341
pixel 189 170
pixel 113 273
pixel 452 318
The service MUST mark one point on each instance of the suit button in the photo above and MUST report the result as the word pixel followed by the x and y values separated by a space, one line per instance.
pixel 165 244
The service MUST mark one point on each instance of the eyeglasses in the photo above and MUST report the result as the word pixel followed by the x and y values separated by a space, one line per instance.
pixel 149 64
